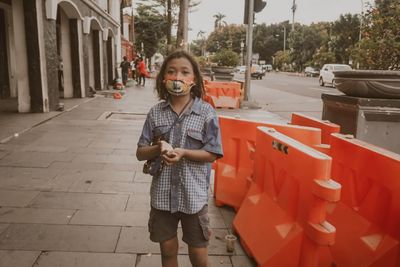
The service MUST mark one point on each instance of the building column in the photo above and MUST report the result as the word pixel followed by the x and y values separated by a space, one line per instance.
pixel 85 48
pixel 76 58
pixel 35 52
pixel 97 59
pixel 20 54
pixel 52 61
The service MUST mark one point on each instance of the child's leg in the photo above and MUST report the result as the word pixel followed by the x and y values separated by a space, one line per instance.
pixel 163 227
pixel 199 257
pixel 196 234
pixel 169 252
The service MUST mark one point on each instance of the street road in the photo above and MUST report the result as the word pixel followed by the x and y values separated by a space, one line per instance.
pixel 291 83
pixel 285 93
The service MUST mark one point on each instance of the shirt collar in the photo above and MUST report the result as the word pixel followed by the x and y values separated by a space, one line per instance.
pixel 196 106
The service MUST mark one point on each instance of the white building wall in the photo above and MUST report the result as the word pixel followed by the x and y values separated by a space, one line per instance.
pixel 21 70
pixel 103 4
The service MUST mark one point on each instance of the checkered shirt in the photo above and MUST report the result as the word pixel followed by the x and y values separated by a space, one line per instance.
pixel 183 186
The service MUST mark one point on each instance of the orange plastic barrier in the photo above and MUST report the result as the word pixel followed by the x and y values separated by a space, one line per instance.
pixel 367 218
pixel 223 94
pixel 234 171
pixel 327 128
pixel 282 221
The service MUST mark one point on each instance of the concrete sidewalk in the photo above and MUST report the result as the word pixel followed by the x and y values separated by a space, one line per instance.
pixel 73 194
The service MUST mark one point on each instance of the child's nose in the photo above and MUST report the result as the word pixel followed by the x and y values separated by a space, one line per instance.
pixel 179 76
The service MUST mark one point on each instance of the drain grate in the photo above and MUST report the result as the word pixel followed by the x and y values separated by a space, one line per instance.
pixel 122 116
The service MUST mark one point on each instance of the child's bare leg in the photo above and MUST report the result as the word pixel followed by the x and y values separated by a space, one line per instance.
pixel 169 252
pixel 199 257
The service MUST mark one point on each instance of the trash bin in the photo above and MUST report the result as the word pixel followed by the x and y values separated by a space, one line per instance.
pixel 376 121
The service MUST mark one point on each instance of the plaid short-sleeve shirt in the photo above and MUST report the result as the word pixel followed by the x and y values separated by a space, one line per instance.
pixel 183 186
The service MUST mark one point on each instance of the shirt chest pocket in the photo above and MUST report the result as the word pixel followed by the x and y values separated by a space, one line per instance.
pixel 194 140
pixel 160 132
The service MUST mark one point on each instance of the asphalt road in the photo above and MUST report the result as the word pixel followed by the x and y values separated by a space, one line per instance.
pixel 297 85
pixel 285 93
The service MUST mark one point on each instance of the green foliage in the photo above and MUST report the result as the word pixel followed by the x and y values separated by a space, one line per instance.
pixel 380 44
pixel 226 58
pixel 282 60
pixel 229 37
pixel 149 29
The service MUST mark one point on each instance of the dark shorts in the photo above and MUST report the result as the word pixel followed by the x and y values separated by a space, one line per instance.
pixel 163 226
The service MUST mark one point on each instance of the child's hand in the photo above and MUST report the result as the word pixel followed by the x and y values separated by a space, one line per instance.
pixel 165 147
pixel 173 156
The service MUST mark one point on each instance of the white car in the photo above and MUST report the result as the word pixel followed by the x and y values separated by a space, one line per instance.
pixel 326 74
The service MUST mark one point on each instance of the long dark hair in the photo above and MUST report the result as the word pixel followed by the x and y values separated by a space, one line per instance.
pixel 197 89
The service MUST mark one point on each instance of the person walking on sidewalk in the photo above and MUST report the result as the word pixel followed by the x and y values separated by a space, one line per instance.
pixel 142 71
pixel 180 138
pixel 125 66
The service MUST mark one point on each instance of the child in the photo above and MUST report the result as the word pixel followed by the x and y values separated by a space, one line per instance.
pixel 190 141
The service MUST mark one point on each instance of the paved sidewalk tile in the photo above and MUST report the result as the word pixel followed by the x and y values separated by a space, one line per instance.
pixel 118 187
pixel 136 240
pixel 154 260
pixel 15 258
pixel 113 218
pixel 59 238
pixel 60 200
pixel 79 259
pixel 3 227
pixel 30 215
pixel 10 198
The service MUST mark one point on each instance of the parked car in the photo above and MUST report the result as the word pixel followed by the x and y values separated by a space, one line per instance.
pixel 257 72
pixel 267 67
pixel 311 72
pixel 326 74
pixel 240 69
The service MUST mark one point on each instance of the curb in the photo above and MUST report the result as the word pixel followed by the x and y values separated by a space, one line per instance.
pixel 16 135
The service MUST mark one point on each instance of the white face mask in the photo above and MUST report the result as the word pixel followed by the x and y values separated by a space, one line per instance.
pixel 178 87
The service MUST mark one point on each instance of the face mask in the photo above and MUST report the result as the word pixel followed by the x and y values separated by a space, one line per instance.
pixel 178 87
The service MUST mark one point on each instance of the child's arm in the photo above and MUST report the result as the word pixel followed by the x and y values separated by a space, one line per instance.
pixel 149 152
pixel 194 155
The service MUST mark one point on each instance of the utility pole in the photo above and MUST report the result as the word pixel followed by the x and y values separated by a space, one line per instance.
pixel 249 50
pixel 294 7
pixel 284 38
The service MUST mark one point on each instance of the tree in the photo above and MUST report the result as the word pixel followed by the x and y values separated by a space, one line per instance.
pixel 304 43
pixel 149 29
pixel 229 36
pixel 344 35
pixel 219 22
pixel 380 44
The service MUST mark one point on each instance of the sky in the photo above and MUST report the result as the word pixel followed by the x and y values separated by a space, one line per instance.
pixel 308 11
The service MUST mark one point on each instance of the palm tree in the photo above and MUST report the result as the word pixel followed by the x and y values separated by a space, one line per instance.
pixel 219 20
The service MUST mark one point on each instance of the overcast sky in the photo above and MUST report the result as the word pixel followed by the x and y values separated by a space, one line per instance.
pixel 276 11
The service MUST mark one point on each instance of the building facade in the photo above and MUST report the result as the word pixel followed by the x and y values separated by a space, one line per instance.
pixel 54 49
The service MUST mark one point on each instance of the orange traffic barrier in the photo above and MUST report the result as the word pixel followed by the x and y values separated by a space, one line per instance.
pixel 327 128
pixel 367 218
pixel 282 220
pixel 234 171
pixel 224 94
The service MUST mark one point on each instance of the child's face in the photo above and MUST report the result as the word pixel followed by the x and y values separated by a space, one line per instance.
pixel 179 69
pixel 179 77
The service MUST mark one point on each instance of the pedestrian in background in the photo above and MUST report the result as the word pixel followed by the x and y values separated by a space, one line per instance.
pixel 125 66
pixel 143 73
pixel 182 136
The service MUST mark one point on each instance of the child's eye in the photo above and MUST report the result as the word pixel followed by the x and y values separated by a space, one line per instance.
pixel 170 72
